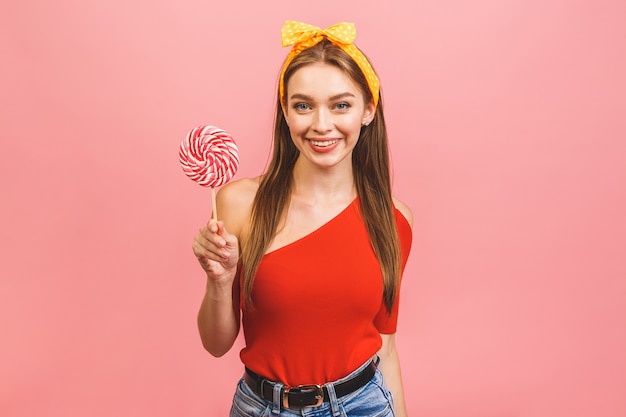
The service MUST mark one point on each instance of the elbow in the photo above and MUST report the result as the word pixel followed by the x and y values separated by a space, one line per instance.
pixel 216 350
pixel 217 340
pixel 217 353
pixel 388 348
pixel 218 347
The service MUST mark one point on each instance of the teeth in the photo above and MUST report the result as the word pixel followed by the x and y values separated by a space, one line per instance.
pixel 324 144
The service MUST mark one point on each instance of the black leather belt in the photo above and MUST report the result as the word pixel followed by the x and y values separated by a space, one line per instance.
pixel 307 395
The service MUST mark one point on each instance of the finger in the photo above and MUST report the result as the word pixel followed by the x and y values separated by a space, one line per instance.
pixel 210 233
pixel 215 226
pixel 210 245
pixel 208 229
pixel 207 254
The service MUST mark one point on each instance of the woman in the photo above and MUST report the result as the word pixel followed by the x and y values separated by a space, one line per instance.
pixel 310 253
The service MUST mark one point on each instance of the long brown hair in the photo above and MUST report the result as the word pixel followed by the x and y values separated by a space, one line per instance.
pixel 371 170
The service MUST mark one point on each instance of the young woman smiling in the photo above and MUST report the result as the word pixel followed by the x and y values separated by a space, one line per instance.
pixel 309 255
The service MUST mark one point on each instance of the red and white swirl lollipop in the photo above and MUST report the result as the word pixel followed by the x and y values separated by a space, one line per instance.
pixel 210 157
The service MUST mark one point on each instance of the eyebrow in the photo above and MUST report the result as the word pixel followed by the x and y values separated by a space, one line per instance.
pixel 332 98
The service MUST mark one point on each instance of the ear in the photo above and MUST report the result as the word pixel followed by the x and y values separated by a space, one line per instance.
pixel 368 113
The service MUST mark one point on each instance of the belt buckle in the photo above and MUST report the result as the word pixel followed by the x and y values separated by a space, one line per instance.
pixel 319 394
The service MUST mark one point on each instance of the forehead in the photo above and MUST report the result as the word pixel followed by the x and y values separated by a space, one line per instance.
pixel 321 80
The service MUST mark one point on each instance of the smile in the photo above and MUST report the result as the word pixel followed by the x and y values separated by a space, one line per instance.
pixel 324 143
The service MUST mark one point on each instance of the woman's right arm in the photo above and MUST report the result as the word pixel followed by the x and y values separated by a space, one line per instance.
pixel 216 247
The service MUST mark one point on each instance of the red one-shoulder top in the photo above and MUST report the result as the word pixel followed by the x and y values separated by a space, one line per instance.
pixel 317 304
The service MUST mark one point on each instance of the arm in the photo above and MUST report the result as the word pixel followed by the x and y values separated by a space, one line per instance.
pixel 390 368
pixel 217 251
pixel 218 318
pixel 389 361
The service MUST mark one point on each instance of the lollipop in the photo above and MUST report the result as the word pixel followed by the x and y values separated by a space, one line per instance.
pixel 210 157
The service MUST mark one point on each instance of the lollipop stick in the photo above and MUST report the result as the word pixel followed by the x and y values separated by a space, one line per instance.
pixel 214 203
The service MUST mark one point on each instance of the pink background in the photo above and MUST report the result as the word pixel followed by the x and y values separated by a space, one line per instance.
pixel 508 128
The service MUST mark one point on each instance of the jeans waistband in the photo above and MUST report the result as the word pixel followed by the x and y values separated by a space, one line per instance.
pixel 310 395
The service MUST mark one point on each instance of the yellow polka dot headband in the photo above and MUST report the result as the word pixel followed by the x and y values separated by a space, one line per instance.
pixel 303 36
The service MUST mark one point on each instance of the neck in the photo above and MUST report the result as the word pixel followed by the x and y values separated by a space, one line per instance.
pixel 334 184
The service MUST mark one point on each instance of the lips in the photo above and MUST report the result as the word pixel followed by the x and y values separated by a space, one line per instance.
pixel 323 143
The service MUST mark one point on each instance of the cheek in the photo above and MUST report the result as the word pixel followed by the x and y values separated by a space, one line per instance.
pixel 351 124
pixel 294 128
pixel 297 132
pixel 297 125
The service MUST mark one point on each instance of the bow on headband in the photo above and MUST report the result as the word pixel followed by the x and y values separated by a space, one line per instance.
pixel 303 36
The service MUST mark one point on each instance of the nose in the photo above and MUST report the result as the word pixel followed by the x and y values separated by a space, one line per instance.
pixel 322 120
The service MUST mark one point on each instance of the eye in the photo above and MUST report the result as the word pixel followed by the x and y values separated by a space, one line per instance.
pixel 343 106
pixel 301 106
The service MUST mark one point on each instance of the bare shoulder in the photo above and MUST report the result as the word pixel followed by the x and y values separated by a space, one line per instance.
pixel 238 192
pixel 234 204
pixel 405 210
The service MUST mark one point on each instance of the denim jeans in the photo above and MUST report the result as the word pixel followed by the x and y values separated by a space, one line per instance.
pixel 372 400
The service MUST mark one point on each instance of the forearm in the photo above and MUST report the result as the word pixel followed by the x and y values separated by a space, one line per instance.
pixel 218 319
pixel 390 368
